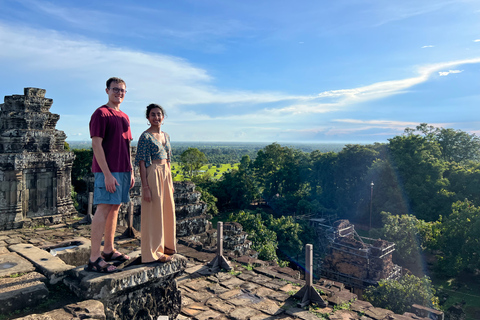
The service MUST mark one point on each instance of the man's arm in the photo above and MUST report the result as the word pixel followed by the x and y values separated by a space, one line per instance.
pixel 132 178
pixel 110 181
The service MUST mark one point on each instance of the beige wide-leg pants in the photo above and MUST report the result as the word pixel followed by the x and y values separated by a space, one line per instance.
pixel 158 216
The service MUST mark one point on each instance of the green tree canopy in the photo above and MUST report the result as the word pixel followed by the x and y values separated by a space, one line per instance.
pixel 410 235
pixel 399 296
pixel 416 161
pixel 455 145
pixel 264 240
pixel 459 239
pixel 192 160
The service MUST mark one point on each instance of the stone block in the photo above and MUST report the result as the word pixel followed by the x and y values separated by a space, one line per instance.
pixel 21 292
pixel 148 302
pixel 243 313
pixel 103 286
pixel 144 291
pixel 220 305
pixel 73 252
pixel 378 313
pixel 88 309
pixel 11 263
pixel 52 267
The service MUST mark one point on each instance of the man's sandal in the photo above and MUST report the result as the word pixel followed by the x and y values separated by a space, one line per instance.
pixel 96 267
pixel 169 251
pixel 120 258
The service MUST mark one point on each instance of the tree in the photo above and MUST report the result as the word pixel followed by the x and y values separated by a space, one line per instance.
pixel 417 162
pixel 322 178
pixel 399 296
pixel 281 176
pixel 459 239
pixel 82 168
pixel 410 235
pixel 464 181
pixel 235 189
pixel 456 145
pixel 351 168
pixel 388 194
pixel 191 161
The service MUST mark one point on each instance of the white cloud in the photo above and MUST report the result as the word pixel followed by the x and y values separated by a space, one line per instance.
pixel 429 46
pixel 477 40
pixel 185 89
pixel 446 73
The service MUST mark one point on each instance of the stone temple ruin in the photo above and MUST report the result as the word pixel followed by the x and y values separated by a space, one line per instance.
pixel 356 261
pixel 35 168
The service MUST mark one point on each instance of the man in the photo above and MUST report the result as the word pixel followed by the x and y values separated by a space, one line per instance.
pixel 112 167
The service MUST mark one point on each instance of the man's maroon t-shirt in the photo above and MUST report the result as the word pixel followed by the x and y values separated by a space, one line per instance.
pixel 114 127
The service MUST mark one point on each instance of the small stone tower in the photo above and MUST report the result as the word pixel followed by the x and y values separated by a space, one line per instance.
pixel 35 168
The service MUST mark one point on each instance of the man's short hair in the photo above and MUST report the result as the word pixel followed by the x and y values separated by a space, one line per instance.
pixel 115 79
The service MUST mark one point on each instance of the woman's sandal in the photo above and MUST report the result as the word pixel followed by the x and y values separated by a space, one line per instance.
pixel 169 251
pixel 96 267
pixel 109 256
pixel 165 258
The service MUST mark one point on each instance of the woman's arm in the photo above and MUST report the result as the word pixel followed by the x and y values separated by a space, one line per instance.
pixel 146 192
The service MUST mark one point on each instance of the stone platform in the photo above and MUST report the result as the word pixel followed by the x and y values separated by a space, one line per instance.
pixel 252 290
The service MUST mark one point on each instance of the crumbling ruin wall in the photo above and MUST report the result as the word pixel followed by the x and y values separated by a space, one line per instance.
pixel 351 257
pixel 35 168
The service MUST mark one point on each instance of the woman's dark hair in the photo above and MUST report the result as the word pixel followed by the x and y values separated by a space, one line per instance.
pixel 153 106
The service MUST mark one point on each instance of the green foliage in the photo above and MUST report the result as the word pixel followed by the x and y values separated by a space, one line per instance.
pixel 456 145
pixel 350 172
pixel 82 168
pixel 264 241
pixel 399 296
pixel 459 239
pixel 417 161
pixel 410 236
pixel 235 189
pixel 209 199
pixel 464 181
pixel 281 174
pixel 74 198
pixel 343 306
pixel 268 234
pixel 191 161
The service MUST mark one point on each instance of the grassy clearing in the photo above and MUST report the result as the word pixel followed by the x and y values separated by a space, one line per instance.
pixel 214 171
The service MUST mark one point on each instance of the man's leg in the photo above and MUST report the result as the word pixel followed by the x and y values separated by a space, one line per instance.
pixel 98 228
pixel 110 227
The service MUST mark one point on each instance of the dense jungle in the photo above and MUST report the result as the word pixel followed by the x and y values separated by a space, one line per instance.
pixel 420 190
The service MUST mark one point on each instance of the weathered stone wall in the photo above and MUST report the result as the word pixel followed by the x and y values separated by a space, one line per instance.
pixel 349 257
pixel 35 168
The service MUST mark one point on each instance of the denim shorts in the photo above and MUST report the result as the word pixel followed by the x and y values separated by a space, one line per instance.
pixel 121 194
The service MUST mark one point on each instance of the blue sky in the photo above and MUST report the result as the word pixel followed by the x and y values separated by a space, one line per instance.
pixel 351 71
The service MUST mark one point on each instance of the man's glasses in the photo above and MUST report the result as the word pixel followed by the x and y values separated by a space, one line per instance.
pixel 118 90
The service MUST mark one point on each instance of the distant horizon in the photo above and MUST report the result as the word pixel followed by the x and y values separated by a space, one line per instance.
pixel 248 142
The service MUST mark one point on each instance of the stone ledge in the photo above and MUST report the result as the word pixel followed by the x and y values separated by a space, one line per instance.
pixel 52 267
pixel 88 285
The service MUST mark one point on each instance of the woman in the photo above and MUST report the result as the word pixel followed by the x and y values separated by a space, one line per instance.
pixel 158 209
